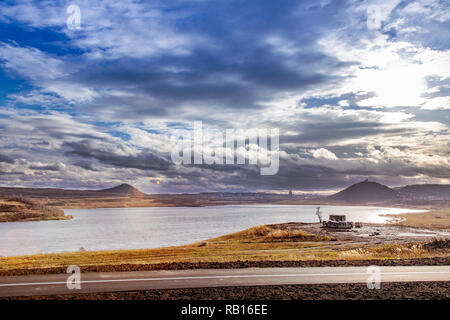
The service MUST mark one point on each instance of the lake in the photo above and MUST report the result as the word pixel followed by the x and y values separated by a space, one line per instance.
pixel 135 228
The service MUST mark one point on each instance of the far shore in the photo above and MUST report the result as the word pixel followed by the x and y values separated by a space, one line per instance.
pixel 429 216
pixel 19 209
pixel 130 202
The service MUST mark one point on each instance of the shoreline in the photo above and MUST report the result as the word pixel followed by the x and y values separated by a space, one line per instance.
pixel 230 203
pixel 290 244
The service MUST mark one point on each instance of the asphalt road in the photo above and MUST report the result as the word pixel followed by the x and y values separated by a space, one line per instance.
pixel 201 278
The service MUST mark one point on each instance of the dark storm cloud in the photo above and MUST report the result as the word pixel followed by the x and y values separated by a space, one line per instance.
pixel 203 81
pixel 6 159
pixel 85 165
pixel 328 132
pixel 235 66
pixel 143 160
pixel 51 167
pixel 318 177
pixel 442 116
pixel 15 173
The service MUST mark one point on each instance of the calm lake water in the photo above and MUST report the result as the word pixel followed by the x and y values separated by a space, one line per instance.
pixel 134 228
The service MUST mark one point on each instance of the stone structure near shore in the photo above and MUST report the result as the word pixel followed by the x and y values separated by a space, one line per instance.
pixel 338 222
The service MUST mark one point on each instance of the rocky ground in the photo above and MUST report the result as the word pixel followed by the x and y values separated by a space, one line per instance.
pixel 387 291
pixel 372 233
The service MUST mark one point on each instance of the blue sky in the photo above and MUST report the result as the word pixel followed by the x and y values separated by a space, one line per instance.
pixel 356 88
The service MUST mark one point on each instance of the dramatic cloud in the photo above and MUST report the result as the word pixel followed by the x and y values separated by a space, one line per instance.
pixel 356 89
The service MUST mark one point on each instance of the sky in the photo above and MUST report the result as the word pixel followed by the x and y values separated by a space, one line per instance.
pixel 357 89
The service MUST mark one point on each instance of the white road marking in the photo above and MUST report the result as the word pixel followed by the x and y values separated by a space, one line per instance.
pixel 225 277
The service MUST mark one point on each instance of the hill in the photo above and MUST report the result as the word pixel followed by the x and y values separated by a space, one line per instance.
pixel 125 190
pixel 365 192
pixel 23 209
pixel 425 191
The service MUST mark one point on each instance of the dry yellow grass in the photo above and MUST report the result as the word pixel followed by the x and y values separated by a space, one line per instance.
pixel 439 218
pixel 389 251
pixel 271 234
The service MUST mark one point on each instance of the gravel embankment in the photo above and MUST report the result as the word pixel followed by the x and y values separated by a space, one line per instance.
pixel 388 291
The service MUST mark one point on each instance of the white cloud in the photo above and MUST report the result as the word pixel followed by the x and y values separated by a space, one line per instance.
pixel 44 71
pixel 30 63
pixel 324 153
pixel 428 10
pixel 72 92
pixel 394 73
pixel 442 103
pixel 110 29
pixel 35 97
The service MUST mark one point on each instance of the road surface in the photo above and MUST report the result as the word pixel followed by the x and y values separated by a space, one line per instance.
pixel 201 278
